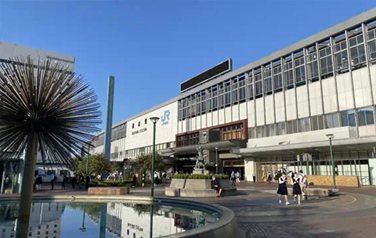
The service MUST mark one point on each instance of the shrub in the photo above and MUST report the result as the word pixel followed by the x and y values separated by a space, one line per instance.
pixel 200 176
pixel 311 183
pixel 106 183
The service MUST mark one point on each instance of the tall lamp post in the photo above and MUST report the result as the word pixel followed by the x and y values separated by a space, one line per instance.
pixel 154 120
pixel 216 160
pixel 331 137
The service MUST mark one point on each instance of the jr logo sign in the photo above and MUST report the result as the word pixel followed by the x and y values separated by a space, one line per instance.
pixel 165 118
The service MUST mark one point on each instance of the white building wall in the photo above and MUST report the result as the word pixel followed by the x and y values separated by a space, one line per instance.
pixel 251 114
pixel 235 113
pixel 279 107
pixel 302 99
pixel 315 98
pixel 141 136
pixel 243 110
pixel 362 88
pixel 260 112
pixel 269 109
pixel 290 104
pixel 329 94
pixel 345 92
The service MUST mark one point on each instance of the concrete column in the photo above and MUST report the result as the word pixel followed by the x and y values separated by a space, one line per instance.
pixel 249 168
pixel 372 170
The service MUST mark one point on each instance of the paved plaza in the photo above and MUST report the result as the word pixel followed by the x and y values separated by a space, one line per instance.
pixel 350 214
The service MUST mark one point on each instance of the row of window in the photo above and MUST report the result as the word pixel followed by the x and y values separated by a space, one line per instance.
pixel 133 153
pixel 364 117
pixel 231 132
pixel 321 60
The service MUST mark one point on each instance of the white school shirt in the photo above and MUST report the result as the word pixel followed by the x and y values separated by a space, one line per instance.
pixel 281 179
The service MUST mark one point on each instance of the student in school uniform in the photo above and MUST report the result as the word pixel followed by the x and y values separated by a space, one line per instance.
pixel 282 188
pixel 296 190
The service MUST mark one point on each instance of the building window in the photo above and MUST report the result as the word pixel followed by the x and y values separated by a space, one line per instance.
pixel 250 87
pixel 139 123
pixel 365 116
pixel 227 93
pixel 303 125
pixel 280 128
pixel 132 125
pixel 317 123
pixel 348 118
pixel 331 120
pixel 241 89
pixel 277 76
pixel 326 62
pixel 312 65
pixel 268 86
pixel 288 74
pixel 292 127
pixel 258 83
pixel 372 43
pixel 299 71
pixel 341 56
pixel 357 52
pixel 146 121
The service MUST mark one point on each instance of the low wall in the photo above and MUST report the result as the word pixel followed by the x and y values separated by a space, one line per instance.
pixel 108 190
pixel 197 188
pixel 341 181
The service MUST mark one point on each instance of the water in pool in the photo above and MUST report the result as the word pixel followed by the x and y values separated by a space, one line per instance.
pixel 82 220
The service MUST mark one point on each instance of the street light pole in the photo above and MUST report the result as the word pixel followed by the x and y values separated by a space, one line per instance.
pixel 83 228
pixel 154 120
pixel 331 137
pixel 216 160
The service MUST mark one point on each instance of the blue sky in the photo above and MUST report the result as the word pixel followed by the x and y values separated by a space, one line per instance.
pixel 152 46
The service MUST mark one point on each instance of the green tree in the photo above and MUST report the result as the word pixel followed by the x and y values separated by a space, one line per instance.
pixel 143 163
pixel 97 165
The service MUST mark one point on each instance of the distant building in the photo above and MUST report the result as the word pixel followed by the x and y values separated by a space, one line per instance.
pixel 9 51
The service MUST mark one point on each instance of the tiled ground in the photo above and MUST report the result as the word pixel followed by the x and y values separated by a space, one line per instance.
pixel 351 214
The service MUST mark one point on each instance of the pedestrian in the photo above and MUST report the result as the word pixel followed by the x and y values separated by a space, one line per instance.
pixel 39 182
pixel 296 190
pixel 134 180
pixel 73 181
pixel 64 181
pixel 282 188
pixel 217 188
pixel 254 177
pixel 303 184
pixel 87 181
pixel 237 176
pixel 143 180
pixel 269 177
pixel 82 181
pixel 232 178
pixel 35 182
pixel 53 179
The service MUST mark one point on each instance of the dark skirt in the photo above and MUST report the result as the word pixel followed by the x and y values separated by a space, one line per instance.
pixel 282 189
pixel 296 190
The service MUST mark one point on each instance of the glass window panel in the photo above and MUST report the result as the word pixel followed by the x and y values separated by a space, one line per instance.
pixel 331 120
pixel 365 116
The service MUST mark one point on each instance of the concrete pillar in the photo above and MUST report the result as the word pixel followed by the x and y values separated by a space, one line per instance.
pixel 249 168
pixel 372 171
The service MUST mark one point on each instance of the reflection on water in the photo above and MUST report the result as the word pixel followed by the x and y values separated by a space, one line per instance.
pixel 71 220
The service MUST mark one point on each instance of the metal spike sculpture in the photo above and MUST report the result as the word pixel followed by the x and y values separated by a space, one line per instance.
pixel 46 107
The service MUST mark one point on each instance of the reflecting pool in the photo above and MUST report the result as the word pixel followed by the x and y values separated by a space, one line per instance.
pixel 83 220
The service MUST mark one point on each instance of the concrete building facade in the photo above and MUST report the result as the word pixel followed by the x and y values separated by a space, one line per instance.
pixel 274 113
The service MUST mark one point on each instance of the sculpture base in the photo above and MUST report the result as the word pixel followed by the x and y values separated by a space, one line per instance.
pixel 200 171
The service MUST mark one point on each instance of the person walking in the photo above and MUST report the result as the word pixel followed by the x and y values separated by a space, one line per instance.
pixel 282 188
pixel 73 181
pixel 296 190
pixel 269 177
pixel 53 179
pixel 64 181
pixel 143 180
pixel 232 178
pixel 303 181
pixel 237 176
pixel 254 177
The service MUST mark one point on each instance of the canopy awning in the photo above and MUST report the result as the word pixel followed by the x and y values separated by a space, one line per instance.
pixel 192 149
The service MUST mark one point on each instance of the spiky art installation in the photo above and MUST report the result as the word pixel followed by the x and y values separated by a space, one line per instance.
pixel 44 106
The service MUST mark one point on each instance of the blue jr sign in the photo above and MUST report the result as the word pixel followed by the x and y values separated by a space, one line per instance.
pixel 166 117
